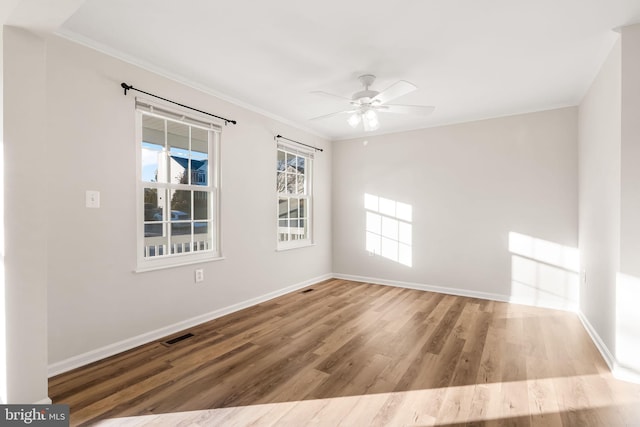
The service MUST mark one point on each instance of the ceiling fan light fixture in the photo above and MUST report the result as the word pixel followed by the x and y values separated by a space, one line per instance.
pixel 370 120
pixel 354 120
pixel 370 115
pixel 365 105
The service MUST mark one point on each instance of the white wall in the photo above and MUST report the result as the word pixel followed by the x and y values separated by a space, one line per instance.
pixel 627 346
pixel 470 186
pixel 88 257
pixel 599 189
pixel 26 197
pixel 610 205
pixel 630 151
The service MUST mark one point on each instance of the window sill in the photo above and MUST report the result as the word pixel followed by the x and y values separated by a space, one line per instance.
pixel 288 248
pixel 164 266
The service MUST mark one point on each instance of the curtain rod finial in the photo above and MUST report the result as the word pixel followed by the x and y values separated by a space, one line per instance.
pixel 126 87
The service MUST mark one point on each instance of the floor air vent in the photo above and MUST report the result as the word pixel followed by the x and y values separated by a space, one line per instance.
pixel 177 339
pixel 307 291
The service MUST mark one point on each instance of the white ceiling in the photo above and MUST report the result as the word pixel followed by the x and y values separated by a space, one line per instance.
pixel 471 59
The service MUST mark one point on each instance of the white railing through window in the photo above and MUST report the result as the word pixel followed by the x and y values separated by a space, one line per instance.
pixel 158 246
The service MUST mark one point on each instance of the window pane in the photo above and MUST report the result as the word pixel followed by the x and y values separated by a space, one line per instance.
pixel 178 146
pixel 154 230
pixel 201 205
pixel 293 208
pixel 302 210
pixel 180 205
pixel 180 229
pixel 152 154
pixel 282 160
pixel 283 208
pixel 153 130
pixel 281 182
pixel 200 228
pixel 291 162
pixel 300 164
pixel 291 183
pixel 199 156
pixel 153 207
pixel 153 203
pixel 152 158
pixel 300 186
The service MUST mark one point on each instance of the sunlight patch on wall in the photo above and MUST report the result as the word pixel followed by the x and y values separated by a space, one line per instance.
pixel 628 322
pixel 388 229
pixel 543 273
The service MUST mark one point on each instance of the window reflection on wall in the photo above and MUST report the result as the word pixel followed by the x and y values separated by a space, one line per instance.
pixel 388 229
pixel 543 272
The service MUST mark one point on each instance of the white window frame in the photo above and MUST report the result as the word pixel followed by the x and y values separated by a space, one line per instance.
pixel 307 196
pixel 144 263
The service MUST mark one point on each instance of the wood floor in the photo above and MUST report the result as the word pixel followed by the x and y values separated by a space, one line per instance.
pixel 358 354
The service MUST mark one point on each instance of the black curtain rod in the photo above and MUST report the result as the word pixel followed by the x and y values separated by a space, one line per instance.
pixel 298 142
pixel 127 87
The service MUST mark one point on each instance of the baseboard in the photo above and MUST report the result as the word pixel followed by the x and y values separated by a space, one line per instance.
pixel 600 345
pixel 129 343
pixel 619 372
pixel 455 291
pixel 45 401
pixel 423 287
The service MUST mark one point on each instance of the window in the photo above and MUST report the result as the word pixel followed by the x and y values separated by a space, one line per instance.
pixel 294 193
pixel 178 188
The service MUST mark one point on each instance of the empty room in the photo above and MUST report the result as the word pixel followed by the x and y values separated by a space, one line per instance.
pixel 339 213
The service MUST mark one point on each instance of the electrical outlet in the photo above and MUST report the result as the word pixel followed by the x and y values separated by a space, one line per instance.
pixel 199 275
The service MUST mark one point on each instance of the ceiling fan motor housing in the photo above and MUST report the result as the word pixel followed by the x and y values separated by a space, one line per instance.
pixel 365 96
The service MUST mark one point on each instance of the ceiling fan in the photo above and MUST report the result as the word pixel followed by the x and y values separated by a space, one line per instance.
pixel 366 104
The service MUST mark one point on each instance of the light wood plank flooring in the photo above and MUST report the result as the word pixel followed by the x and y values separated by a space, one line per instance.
pixel 358 354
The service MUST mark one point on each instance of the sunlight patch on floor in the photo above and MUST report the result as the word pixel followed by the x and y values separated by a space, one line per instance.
pixel 544 398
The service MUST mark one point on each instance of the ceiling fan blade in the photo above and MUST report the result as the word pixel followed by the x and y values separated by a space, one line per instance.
pixel 422 110
pixel 394 91
pixel 326 116
pixel 330 95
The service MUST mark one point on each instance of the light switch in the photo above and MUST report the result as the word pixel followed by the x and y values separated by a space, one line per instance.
pixel 92 198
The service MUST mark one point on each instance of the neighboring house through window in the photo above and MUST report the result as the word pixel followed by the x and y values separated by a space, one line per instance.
pixel 178 187
pixel 294 193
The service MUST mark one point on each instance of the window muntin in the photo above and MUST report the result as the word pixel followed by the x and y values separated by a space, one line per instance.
pixel 294 197
pixel 178 166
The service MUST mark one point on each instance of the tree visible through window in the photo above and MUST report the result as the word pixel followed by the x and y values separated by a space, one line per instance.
pixel 294 197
